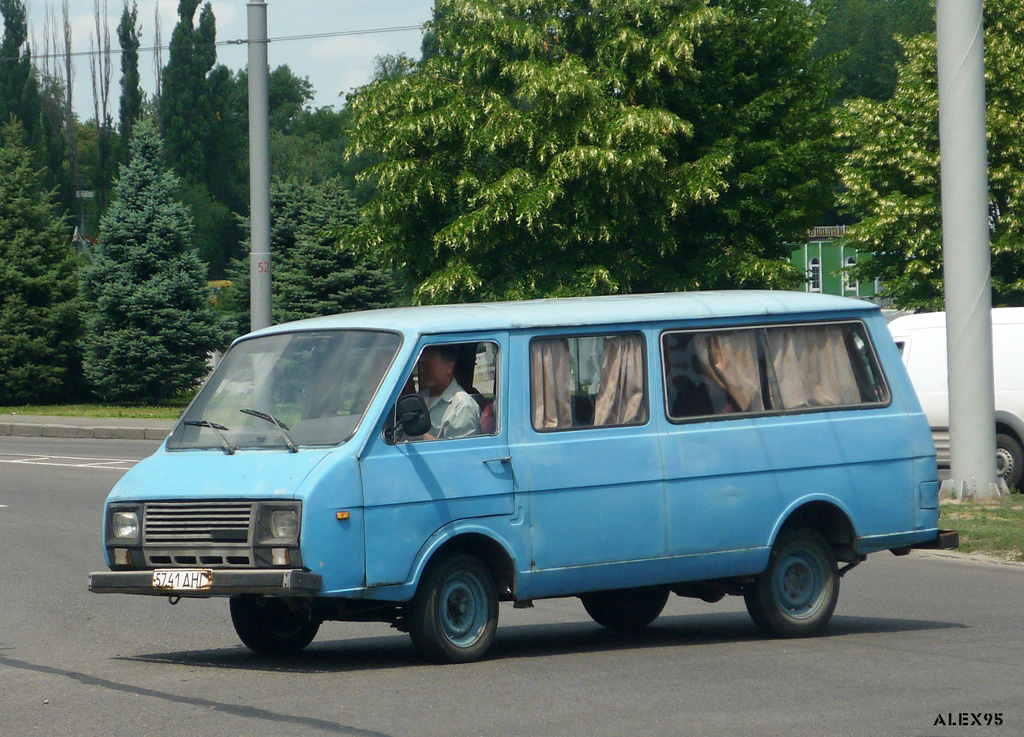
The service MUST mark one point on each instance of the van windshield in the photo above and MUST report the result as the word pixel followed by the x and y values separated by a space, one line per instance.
pixel 288 390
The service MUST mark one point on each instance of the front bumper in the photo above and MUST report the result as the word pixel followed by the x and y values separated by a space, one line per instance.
pixel 291 582
pixel 945 540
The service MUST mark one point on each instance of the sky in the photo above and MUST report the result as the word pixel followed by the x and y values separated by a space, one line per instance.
pixel 335 66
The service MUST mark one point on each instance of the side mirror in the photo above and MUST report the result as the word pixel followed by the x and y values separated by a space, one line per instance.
pixel 412 414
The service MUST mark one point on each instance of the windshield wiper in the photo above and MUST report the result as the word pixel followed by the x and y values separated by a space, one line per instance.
pixel 225 445
pixel 280 426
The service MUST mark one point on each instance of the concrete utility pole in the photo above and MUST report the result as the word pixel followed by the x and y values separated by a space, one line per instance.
pixel 259 168
pixel 966 250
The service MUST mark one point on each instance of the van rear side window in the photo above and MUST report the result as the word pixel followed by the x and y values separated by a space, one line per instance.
pixel 768 370
pixel 591 381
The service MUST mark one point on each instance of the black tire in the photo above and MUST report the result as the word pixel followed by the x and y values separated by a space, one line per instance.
pixel 1009 460
pixel 269 626
pixel 797 594
pixel 626 610
pixel 454 614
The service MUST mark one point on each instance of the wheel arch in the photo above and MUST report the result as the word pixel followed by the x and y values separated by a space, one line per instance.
pixel 479 542
pixel 827 516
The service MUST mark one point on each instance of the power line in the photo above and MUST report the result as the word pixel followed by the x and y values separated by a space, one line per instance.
pixel 232 42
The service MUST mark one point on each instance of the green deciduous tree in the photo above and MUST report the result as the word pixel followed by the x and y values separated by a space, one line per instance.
pixel 313 274
pixel 128 33
pixel 862 34
pixel 39 321
pixel 150 326
pixel 590 146
pixel 891 170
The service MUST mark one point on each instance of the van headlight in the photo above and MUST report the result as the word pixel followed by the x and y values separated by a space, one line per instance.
pixel 124 525
pixel 278 523
pixel 284 524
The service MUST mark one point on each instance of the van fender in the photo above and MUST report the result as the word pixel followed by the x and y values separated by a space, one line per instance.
pixel 448 533
pixel 1012 421
pixel 787 513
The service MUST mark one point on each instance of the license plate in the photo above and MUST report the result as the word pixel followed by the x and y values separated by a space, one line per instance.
pixel 183 579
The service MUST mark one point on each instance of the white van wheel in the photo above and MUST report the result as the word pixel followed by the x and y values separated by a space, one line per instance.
pixel 1009 460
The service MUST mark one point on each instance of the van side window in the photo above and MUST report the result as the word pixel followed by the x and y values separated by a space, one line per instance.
pixel 756 370
pixel 591 381
pixel 825 366
pixel 459 383
pixel 714 373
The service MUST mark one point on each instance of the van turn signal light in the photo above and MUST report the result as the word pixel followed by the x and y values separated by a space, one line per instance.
pixel 342 515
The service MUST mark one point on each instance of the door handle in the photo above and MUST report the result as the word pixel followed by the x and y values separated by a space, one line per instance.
pixel 503 459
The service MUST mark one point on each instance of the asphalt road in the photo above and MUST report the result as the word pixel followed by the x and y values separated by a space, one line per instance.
pixel 913 639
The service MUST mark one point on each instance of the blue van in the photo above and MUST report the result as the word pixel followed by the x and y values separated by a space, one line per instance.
pixel 417 466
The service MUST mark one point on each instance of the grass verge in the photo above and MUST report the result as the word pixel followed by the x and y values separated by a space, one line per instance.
pixel 994 527
pixel 168 411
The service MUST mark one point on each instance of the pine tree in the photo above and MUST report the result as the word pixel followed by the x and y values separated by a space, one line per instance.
pixel 39 320
pixel 131 94
pixel 314 274
pixel 150 327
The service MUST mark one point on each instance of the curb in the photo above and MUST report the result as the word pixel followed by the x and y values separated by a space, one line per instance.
pixel 105 432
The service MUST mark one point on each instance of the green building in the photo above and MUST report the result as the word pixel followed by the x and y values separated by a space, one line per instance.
pixel 826 262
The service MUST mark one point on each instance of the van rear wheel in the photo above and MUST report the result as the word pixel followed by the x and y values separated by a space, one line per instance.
pixel 797 594
pixel 273 626
pixel 626 610
pixel 1009 460
pixel 454 614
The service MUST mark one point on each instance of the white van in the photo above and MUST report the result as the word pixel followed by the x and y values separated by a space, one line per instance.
pixel 922 342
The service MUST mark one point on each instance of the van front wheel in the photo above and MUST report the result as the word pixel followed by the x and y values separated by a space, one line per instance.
pixel 454 615
pixel 625 610
pixel 273 626
pixel 797 594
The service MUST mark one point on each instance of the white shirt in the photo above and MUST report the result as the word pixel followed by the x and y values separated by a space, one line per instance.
pixel 453 414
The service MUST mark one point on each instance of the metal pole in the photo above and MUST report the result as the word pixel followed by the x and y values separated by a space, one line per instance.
pixel 259 168
pixel 966 249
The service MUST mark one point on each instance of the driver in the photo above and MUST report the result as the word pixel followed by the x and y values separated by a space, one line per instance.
pixel 453 412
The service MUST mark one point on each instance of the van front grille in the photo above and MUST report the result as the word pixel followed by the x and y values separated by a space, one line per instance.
pixel 198 522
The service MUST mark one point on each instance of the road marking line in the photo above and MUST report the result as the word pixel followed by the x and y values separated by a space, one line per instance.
pixel 108 464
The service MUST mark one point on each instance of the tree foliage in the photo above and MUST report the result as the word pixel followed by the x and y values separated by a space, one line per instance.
pixel 891 169
pixel 150 326
pixel 862 35
pixel 593 146
pixel 38 285
pixel 19 87
pixel 313 274
pixel 185 104
pixel 128 33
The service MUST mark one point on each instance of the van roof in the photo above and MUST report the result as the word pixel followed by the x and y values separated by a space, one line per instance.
pixel 574 311
pixel 932 320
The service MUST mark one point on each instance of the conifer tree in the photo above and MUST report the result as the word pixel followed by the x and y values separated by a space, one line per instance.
pixel 19 86
pixel 150 326
pixel 39 321
pixel 314 274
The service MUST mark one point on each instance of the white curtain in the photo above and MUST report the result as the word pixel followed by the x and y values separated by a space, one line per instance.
pixel 813 366
pixel 620 401
pixel 729 361
pixel 550 381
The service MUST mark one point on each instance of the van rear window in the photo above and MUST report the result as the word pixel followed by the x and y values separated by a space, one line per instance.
pixel 588 381
pixel 760 370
